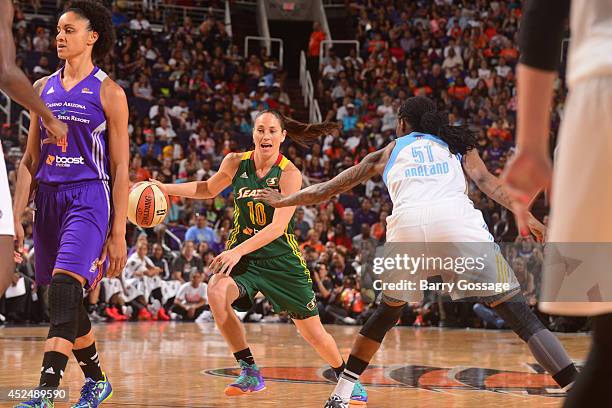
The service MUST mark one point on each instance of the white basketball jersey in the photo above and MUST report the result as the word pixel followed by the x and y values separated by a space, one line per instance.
pixel 422 170
pixel 590 51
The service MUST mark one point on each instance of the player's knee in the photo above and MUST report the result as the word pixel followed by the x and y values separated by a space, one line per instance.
pixel 65 300
pixel 384 319
pixel 84 327
pixel 217 291
pixel 519 317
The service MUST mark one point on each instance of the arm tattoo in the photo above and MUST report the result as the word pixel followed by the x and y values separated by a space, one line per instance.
pixel 342 182
pixel 500 195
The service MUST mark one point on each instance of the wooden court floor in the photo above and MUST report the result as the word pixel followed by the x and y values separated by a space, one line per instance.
pixel 171 364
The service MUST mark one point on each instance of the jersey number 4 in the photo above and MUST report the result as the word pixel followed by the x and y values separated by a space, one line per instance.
pixel 63 143
pixel 257 213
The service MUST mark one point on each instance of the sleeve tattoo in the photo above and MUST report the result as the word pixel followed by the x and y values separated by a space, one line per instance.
pixel 344 181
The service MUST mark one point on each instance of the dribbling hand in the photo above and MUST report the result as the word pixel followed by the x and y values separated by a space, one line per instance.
pixel 159 184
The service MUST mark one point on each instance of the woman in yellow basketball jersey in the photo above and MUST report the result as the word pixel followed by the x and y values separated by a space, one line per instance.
pixel 262 253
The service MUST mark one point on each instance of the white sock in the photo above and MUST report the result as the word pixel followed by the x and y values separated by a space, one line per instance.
pixel 345 385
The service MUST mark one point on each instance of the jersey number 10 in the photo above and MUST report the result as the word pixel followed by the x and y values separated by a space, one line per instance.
pixel 258 213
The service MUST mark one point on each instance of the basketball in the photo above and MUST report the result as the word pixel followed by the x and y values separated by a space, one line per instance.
pixel 147 204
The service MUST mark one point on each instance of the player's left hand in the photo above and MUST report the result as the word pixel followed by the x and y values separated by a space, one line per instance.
pixel 115 248
pixel 225 262
pixel 270 197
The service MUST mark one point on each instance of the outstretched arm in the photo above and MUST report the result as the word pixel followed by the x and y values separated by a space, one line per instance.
pixel 14 82
pixel 494 188
pixel 485 181
pixel 374 163
pixel 209 188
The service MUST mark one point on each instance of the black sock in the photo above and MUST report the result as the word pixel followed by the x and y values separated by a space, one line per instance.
pixel 593 384
pixel 52 371
pixel 339 370
pixel 245 355
pixel 566 376
pixel 356 365
pixel 89 362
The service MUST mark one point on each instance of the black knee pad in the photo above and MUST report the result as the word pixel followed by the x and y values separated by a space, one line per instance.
pixel 519 317
pixel 384 319
pixel 65 300
pixel 84 323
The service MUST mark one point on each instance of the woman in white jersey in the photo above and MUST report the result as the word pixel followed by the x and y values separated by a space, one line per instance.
pixel 424 173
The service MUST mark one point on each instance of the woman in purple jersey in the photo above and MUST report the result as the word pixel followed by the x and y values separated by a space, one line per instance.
pixel 81 194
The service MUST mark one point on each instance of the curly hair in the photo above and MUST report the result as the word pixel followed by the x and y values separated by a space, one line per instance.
pixel 304 134
pixel 100 21
pixel 421 114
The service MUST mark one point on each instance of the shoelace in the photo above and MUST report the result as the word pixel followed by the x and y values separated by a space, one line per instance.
pixel 337 399
pixel 246 377
pixel 87 392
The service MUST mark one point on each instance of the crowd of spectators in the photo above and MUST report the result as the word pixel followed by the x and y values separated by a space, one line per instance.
pixel 193 97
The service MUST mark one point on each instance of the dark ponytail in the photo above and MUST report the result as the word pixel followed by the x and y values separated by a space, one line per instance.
pixel 304 134
pixel 422 116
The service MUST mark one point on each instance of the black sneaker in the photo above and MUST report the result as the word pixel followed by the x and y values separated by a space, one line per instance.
pixel 335 402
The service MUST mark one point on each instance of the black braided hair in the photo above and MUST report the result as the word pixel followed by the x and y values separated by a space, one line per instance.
pixel 422 115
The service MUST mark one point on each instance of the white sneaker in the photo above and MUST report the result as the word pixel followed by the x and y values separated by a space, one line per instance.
pixel 255 317
pixel 349 320
pixel 204 317
pixel 175 316
pixel 96 318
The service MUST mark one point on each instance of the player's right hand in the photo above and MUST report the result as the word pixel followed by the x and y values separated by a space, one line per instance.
pixel 57 131
pixel 526 174
pixel 159 184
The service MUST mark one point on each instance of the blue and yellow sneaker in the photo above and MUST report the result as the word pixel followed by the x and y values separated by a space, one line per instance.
pixel 249 381
pixel 94 393
pixel 36 403
pixel 359 397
